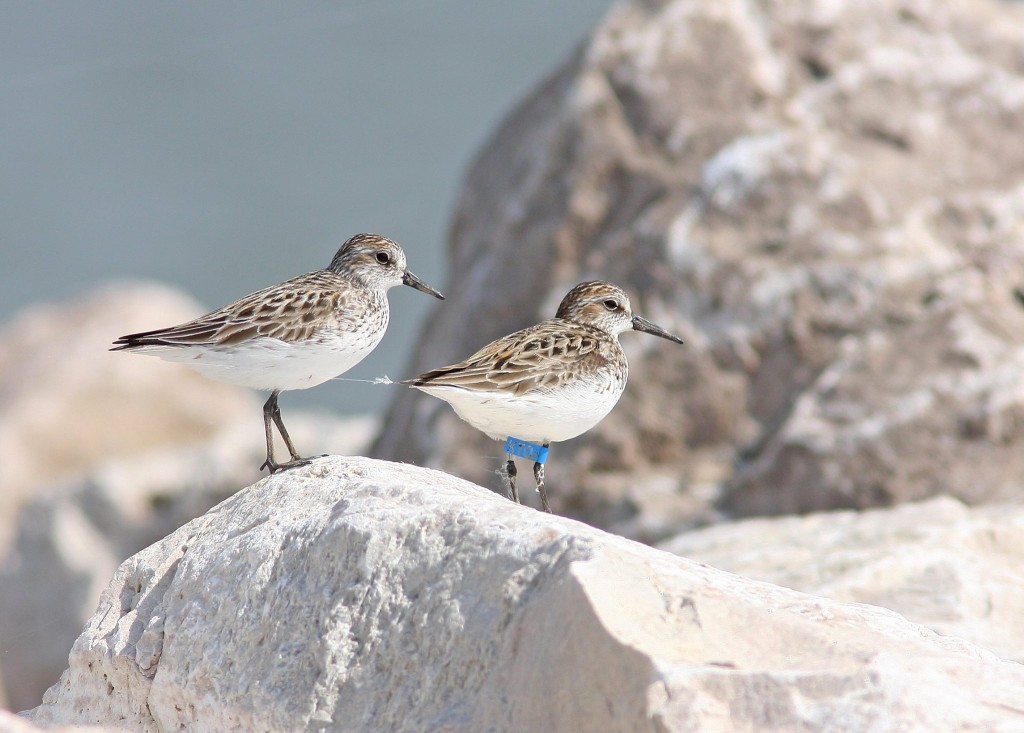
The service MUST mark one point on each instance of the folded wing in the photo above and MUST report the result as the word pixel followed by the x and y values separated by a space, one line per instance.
pixel 541 357
pixel 290 311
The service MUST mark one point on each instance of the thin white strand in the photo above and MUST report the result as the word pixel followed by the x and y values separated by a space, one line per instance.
pixel 377 380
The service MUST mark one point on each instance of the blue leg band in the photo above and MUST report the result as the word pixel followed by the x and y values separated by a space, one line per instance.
pixel 532 451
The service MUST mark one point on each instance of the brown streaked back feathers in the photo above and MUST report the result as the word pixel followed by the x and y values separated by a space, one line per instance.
pixel 540 357
pixel 291 311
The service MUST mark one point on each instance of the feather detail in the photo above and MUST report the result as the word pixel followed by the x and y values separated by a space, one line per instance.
pixel 292 312
pixel 545 356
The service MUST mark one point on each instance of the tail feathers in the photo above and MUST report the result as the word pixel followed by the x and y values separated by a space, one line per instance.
pixel 138 340
pixel 427 377
pixel 158 337
pixel 184 335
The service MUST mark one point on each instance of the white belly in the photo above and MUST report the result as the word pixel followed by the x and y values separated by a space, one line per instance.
pixel 269 364
pixel 540 417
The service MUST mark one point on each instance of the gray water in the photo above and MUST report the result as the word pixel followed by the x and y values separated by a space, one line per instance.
pixel 224 146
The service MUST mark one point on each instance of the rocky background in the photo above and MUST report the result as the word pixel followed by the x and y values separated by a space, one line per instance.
pixel 824 199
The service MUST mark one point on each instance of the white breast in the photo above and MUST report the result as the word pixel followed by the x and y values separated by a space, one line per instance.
pixel 538 417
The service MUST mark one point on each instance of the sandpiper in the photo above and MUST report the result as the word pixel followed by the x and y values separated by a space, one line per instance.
pixel 546 383
pixel 294 335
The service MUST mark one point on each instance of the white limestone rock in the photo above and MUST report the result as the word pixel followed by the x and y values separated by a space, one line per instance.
pixel 956 570
pixel 11 723
pixel 362 595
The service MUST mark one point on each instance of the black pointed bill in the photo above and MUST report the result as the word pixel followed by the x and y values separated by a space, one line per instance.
pixel 642 324
pixel 414 282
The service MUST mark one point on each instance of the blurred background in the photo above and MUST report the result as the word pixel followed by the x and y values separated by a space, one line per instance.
pixel 823 199
pixel 223 147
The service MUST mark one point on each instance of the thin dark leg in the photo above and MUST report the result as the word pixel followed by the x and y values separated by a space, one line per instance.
pixel 510 471
pixel 271 412
pixel 538 475
pixel 268 412
pixel 284 434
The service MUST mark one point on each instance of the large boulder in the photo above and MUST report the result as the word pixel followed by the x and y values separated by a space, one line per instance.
pixel 823 198
pixel 361 595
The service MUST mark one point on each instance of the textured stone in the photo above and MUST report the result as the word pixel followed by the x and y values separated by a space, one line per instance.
pixel 823 198
pixel 73 535
pixel 956 570
pixel 11 723
pixel 67 403
pixel 360 595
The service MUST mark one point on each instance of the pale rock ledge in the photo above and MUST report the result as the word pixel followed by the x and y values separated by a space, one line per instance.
pixel 360 595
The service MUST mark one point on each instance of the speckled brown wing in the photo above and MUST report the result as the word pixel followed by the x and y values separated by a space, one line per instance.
pixel 540 357
pixel 291 311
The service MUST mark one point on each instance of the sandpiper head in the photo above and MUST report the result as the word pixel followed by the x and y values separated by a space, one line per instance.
pixel 605 306
pixel 377 261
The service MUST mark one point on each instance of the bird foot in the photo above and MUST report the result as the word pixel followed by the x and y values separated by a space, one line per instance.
pixel 274 467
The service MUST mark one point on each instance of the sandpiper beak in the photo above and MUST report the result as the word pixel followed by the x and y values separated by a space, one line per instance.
pixel 414 282
pixel 642 324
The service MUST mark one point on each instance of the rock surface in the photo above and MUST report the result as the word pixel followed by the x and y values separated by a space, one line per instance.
pixel 11 723
pixel 360 595
pixel 956 570
pixel 66 402
pixel 823 198
pixel 73 535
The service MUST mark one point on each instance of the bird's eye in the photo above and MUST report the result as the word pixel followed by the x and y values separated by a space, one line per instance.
pixel 383 258
pixel 611 304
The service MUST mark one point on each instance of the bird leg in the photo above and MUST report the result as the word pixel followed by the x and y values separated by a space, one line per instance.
pixel 271 412
pixel 268 411
pixel 538 475
pixel 284 433
pixel 510 472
